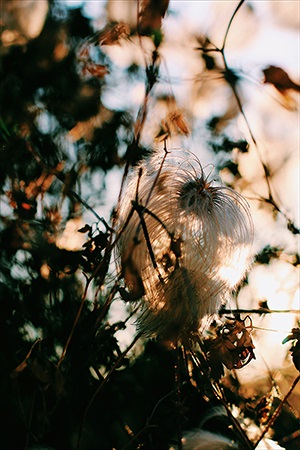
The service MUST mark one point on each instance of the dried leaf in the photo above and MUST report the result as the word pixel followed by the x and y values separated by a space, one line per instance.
pixel 24 363
pixel 295 349
pixel 85 229
pixel 151 15
pixel 178 120
pixel 19 369
pixel 230 344
pixel 97 70
pixel 280 79
pixel 113 35
pixel 173 124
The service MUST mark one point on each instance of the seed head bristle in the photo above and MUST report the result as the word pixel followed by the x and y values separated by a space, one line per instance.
pixel 188 241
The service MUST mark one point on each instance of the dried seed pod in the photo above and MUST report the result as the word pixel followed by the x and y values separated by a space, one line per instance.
pixel 188 242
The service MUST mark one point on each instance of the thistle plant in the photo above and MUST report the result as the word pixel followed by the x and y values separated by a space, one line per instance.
pixel 184 243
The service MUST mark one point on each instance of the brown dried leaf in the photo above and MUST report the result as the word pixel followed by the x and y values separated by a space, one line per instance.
pixel 151 15
pixel 85 229
pixel 86 128
pixel 280 79
pixel 295 349
pixel 19 369
pixel 24 363
pixel 179 122
pixel 114 34
pixel 172 125
pixel 97 70
pixel 231 345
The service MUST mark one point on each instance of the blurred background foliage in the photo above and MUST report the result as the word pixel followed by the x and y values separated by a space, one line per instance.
pixel 85 94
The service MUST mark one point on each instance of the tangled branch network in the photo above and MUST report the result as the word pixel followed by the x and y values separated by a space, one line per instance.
pixel 184 243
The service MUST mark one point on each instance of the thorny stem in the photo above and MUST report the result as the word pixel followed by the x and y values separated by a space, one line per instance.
pixel 278 410
pixel 101 385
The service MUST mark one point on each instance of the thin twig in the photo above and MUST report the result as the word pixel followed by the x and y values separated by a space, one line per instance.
pixel 259 311
pixel 105 380
pixel 278 410
pixel 178 394
pixel 230 23
pixel 270 198
pixel 220 396
pixel 149 247
pixel 62 357
pixel 144 208
pixel 137 132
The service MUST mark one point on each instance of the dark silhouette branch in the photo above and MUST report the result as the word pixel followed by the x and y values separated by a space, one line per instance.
pixel 278 410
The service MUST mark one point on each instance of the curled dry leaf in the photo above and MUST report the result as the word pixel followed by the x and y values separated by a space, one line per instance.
pixel 151 15
pixel 96 70
pixel 280 79
pixel 113 34
pixel 109 36
pixel 230 344
pixel 295 349
pixel 283 84
pixel 92 253
pixel 173 124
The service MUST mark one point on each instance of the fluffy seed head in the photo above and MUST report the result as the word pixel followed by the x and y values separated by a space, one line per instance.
pixel 184 243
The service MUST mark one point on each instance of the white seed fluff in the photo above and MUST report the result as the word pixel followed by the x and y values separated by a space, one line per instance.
pixel 184 243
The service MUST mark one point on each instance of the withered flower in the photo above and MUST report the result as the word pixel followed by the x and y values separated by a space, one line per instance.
pixel 186 239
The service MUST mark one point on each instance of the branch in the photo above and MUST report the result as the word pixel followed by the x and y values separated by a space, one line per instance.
pixel 278 410
pixel 258 311
pixel 230 22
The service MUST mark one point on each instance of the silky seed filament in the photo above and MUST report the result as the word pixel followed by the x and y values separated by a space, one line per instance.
pixel 186 244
